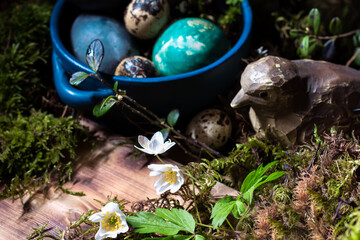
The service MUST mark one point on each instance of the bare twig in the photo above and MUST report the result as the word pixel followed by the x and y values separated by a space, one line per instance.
pixel 335 36
pixel 141 110
pixel 353 57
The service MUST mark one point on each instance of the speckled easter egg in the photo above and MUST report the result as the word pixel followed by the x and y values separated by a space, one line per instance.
pixel 136 67
pixel 211 126
pixel 116 40
pixel 188 44
pixel 145 18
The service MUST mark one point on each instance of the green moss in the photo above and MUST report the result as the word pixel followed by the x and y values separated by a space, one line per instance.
pixel 36 147
pixel 33 149
pixel 25 48
pixel 352 226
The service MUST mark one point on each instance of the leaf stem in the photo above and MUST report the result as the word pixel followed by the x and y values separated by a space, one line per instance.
pixel 228 222
pixel 102 81
pixel 209 226
pixel 158 157
pixel 194 196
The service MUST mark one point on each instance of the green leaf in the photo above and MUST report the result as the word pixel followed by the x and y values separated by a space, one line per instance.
pixel 145 222
pixel 104 106
pixel 233 2
pixel 239 208
pixel 116 86
pixel 221 210
pixel 248 181
pixel 256 178
pixel 165 133
pixel 312 45
pixel 356 39
pixel 78 78
pixel 95 54
pixel 313 20
pixel 296 33
pixel 199 237
pixel 335 26
pixel 178 216
pixel 174 237
pixel 172 117
pixel 303 49
pixel 270 178
pixel 357 58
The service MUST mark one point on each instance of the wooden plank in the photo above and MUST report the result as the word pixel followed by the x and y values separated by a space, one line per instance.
pixel 108 170
pixel 100 171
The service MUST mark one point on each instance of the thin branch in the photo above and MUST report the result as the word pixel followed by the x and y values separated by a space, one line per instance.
pixel 353 57
pixel 158 121
pixel 335 36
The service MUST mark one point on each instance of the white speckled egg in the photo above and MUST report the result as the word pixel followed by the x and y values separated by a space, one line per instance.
pixel 136 67
pixel 145 18
pixel 211 126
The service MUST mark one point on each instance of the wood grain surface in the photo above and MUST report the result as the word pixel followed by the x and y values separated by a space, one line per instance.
pixel 100 171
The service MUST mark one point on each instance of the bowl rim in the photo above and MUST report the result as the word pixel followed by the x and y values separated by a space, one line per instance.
pixel 57 44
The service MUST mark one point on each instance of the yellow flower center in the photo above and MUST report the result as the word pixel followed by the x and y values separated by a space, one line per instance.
pixel 111 222
pixel 170 176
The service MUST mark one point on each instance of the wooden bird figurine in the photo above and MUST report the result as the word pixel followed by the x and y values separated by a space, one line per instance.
pixel 288 97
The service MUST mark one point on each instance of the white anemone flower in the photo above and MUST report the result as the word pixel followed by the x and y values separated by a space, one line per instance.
pixel 171 178
pixel 154 146
pixel 112 221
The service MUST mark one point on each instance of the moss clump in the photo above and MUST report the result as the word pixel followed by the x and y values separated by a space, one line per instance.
pixel 318 202
pixel 25 49
pixel 36 147
pixel 33 148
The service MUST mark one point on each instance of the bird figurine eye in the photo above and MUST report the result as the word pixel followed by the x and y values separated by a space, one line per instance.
pixel 263 94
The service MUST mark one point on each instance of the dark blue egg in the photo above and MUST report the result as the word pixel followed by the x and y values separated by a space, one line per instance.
pixel 115 38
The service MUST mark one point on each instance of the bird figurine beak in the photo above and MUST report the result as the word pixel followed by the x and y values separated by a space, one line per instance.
pixel 241 99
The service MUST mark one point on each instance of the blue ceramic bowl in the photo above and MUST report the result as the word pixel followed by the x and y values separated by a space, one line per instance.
pixel 189 92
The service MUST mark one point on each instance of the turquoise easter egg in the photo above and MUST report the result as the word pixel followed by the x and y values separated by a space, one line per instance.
pixel 115 38
pixel 188 44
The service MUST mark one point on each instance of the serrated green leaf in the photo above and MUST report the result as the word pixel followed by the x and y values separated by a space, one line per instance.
pixel 104 106
pixel 178 216
pixel 335 26
pixel 95 54
pixel 173 117
pixel 239 208
pixel 78 78
pixel 313 20
pixel 145 222
pixel 221 210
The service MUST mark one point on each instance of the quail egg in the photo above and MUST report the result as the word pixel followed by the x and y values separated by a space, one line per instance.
pixel 136 67
pixel 211 126
pixel 145 18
